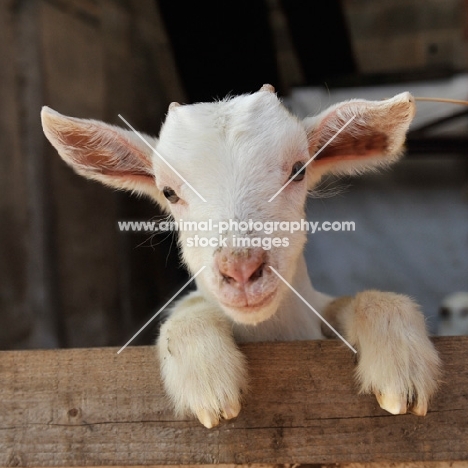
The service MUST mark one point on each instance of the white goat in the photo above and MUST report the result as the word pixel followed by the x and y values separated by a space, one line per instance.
pixel 237 153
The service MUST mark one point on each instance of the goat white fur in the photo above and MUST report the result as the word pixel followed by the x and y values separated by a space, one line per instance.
pixel 238 153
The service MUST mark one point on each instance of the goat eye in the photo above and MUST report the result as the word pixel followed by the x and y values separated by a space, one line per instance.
pixel 297 172
pixel 170 195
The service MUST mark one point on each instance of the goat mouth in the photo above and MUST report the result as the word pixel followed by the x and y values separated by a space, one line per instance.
pixel 250 306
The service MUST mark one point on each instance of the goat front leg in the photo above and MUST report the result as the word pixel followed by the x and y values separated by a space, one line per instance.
pixel 396 360
pixel 202 369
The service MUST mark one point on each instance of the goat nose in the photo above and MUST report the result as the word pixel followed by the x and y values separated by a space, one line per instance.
pixel 241 269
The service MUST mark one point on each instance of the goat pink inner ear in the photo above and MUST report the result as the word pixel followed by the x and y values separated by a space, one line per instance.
pixel 368 145
pixel 94 159
pixel 98 157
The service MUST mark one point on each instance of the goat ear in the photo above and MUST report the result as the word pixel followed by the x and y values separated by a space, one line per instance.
pixel 374 137
pixel 108 154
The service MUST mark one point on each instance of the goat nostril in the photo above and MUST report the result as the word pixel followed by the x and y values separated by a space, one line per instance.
pixel 227 278
pixel 258 273
pixel 239 271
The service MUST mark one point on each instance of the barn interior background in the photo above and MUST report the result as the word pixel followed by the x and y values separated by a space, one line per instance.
pixel 69 278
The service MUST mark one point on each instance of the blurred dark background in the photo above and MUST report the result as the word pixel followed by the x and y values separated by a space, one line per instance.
pixel 68 277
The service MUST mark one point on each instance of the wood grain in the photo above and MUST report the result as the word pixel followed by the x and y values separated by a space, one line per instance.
pixel 92 407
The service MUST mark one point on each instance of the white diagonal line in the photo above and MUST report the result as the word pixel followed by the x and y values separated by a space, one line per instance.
pixel 160 156
pixel 161 309
pixel 312 158
pixel 313 309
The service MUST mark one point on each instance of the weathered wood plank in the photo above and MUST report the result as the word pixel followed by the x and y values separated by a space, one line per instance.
pixel 92 407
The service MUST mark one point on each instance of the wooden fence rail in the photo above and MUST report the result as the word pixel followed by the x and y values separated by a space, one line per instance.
pixel 92 407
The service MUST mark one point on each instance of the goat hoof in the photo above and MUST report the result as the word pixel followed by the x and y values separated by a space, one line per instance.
pixel 231 411
pixel 207 418
pixel 418 409
pixel 394 404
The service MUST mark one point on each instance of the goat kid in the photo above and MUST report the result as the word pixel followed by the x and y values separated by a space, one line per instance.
pixel 237 153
